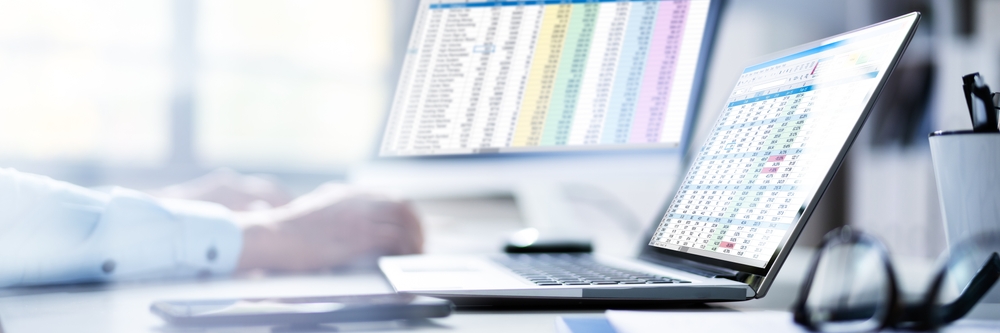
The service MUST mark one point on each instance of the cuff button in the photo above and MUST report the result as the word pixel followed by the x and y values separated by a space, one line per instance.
pixel 108 266
pixel 211 254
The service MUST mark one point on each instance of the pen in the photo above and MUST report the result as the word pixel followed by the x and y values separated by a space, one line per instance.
pixel 982 110
pixel 996 106
pixel 985 96
pixel 967 82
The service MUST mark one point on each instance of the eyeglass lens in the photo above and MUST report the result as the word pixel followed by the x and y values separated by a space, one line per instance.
pixel 970 273
pixel 851 290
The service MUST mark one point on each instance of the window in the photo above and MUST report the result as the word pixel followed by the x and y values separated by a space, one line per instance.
pixel 85 81
pixel 278 85
pixel 291 84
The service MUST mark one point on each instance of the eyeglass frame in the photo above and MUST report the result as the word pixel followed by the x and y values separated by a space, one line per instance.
pixel 927 314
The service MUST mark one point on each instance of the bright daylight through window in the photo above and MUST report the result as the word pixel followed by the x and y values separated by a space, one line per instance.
pixel 287 85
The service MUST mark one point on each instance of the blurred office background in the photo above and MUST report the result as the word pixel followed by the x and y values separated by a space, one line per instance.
pixel 148 93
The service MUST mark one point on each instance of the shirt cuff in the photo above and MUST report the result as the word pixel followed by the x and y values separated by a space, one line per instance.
pixel 210 242
pixel 140 237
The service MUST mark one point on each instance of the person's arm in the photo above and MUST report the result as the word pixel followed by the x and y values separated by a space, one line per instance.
pixel 55 232
pixel 333 226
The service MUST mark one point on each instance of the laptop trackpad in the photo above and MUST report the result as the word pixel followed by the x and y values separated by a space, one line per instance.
pixel 438 268
pixel 440 273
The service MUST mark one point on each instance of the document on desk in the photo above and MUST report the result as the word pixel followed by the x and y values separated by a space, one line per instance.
pixel 702 321
pixel 750 321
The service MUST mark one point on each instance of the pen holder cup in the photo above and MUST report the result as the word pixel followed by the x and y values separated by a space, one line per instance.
pixel 967 170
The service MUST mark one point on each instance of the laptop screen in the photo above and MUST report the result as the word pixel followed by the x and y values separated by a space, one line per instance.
pixel 776 144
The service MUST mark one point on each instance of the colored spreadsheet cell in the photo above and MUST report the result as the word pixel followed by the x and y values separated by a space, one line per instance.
pixel 749 182
pixel 516 75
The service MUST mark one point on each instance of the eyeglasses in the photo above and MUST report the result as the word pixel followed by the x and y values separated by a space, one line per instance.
pixel 851 286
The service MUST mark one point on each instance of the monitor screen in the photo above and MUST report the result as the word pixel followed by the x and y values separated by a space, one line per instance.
pixel 546 75
pixel 781 136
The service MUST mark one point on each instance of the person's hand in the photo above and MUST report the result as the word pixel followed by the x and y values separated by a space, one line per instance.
pixel 229 188
pixel 331 227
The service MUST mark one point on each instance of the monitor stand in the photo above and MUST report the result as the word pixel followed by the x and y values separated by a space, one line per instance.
pixel 546 208
pixel 540 185
pixel 542 200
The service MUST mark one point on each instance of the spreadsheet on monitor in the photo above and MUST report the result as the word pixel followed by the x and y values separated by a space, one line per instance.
pixel 546 75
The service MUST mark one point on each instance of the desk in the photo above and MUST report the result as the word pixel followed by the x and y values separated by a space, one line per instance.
pixel 451 228
pixel 124 308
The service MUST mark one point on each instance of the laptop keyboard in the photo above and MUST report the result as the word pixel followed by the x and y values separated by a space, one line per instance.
pixel 575 269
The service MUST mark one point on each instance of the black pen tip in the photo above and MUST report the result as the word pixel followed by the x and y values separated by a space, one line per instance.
pixel 968 78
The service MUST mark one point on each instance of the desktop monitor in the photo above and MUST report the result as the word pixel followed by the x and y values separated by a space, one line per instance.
pixel 522 96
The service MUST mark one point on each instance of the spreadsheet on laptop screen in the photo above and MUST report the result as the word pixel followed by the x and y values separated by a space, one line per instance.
pixel 546 75
pixel 773 144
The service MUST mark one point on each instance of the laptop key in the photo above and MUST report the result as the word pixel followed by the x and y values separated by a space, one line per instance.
pixel 564 269
pixel 595 277
pixel 563 277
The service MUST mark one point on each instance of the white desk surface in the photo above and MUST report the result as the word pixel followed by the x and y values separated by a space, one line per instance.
pixel 125 308
pixel 450 228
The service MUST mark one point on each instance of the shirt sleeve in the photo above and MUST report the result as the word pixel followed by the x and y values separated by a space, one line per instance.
pixel 55 232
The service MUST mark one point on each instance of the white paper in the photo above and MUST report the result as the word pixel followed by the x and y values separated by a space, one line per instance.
pixel 736 321
pixel 702 321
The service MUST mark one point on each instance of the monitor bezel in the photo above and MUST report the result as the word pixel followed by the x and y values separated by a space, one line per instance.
pixel 697 89
pixel 769 271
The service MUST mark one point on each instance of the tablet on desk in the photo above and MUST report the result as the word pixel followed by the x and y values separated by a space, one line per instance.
pixel 300 311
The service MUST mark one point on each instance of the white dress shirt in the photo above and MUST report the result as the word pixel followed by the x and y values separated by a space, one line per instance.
pixel 55 232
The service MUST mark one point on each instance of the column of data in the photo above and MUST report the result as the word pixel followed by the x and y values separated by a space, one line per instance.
pixel 508 76
pixel 777 139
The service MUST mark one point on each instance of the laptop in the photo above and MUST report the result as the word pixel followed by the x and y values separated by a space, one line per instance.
pixel 742 203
